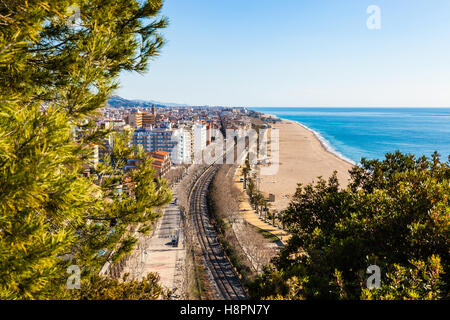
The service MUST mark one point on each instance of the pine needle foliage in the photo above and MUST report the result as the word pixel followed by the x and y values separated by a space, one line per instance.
pixel 54 77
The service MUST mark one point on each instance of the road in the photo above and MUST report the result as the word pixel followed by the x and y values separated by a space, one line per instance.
pixel 157 254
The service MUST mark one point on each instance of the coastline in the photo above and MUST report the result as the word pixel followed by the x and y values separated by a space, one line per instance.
pixel 323 141
pixel 327 146
pixel 303 157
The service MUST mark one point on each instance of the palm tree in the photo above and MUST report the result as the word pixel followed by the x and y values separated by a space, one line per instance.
pixel 251 189
pixel 258 202
pixel 266 207
pixel 263 206
pixel 245 171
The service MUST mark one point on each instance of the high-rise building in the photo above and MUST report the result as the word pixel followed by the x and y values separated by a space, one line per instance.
pixel 145 119
pixel 130 119
pixel 208 133
pixel 173 141
pixel 199 137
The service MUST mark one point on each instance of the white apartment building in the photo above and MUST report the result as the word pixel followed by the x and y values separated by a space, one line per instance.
pixel 199 136
pixel 182 150
pixel 175 141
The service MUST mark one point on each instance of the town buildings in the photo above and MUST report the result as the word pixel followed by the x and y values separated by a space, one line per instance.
pixel 182 132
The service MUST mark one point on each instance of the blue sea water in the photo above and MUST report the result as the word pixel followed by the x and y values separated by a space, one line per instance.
pixel 354 133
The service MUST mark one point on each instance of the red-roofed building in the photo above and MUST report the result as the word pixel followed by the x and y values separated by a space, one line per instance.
pixel 161 162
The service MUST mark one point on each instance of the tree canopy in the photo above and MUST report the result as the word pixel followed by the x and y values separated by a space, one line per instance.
pixel 54 76
pixel 395 214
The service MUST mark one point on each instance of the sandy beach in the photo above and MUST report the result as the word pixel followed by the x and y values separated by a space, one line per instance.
pixel 302 158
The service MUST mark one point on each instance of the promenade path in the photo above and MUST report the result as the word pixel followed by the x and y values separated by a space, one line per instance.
pixel 250 215
pixel 155 253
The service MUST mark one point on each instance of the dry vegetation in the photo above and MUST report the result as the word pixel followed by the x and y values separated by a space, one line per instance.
pixel 246 247
pixel 195 285
pixel 185 185
pixel 175 174
pixel 243 243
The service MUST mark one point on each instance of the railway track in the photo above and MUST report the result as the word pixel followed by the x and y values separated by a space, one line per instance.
pixel 227 282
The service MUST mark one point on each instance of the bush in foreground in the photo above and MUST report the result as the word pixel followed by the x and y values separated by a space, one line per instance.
pixel 394 214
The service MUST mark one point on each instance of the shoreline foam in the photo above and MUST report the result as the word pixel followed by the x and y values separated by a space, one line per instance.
pixel 323 141
pixel 303 157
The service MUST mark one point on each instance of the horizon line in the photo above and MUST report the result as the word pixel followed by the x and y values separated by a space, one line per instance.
pixel 247 106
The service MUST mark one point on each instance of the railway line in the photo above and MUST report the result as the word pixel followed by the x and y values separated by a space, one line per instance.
pixel 227 282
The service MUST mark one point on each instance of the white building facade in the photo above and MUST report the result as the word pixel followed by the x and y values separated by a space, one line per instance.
pixel 199 140
pixel 175 141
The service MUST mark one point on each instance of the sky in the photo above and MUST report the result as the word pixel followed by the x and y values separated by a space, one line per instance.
pixel 298 53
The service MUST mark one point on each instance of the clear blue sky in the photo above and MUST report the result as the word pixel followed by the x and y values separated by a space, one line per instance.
pixel 300 53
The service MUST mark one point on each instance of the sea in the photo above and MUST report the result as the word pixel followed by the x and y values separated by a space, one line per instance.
pixel 354 133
